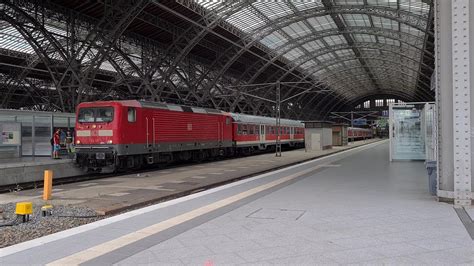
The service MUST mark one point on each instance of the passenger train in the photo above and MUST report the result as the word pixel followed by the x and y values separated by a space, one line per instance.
pixel 115 135
pixel 357 133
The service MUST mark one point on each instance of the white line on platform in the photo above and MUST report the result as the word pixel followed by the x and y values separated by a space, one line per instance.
pixel 198 177
pixel 91 226
pixel 107 247
pixel 87 184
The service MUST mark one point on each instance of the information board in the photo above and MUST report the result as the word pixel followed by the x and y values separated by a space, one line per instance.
pixel 10 133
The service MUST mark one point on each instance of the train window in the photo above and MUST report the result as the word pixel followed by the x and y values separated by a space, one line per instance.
pixel 251 130
pixel 227 120
pixel 96 114
pixel 239 129
pixel 257 129
pixel 244 129
pixel 132 115
pixel 86 115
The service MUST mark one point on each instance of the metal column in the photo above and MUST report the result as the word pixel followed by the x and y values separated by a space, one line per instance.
pixel 453 19
pixel 278 117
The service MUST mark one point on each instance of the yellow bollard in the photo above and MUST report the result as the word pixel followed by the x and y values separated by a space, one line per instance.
pixel 48 184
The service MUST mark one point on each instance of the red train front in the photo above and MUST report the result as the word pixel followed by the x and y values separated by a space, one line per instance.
pixel 128 134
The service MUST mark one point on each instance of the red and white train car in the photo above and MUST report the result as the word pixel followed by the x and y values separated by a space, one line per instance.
pixel 355 133
pixel 259 133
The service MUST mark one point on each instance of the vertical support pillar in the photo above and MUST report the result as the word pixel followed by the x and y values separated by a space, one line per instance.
pixel 278 116
pixel 33 136
pixel 453 20
pixel 461 101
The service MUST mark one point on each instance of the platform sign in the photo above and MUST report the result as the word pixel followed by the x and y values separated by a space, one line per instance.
pixel 359 122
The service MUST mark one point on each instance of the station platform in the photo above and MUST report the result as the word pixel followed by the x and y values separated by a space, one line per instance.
pixel 350 207
pixel 114 194
pixel 31 169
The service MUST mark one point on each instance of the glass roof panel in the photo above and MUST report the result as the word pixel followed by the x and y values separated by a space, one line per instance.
pixel 389 3
pixel 303 5
pixel 384 23
pixel 313 45
pixel 272 9
pixel 349 2
pixel 322 23
pixel 274 40
pixel 334 40
pixel 356 20
pixel 11 39
pixel 345 52
pixel 245 20
pixel 298 29
pixel 364 37
pixel 293 54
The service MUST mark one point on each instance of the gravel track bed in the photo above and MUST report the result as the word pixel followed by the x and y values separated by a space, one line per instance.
pixel 39 226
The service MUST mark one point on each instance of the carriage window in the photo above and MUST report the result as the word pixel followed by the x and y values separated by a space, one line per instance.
pixel 257 129
pixel 239 129
pixel 251 130
pixel 244 129
pixel 132 115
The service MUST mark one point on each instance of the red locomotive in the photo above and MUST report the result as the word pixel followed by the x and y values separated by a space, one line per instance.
pixel 117 135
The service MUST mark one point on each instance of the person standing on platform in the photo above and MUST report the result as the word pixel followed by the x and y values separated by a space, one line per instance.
pixel 56 144
pixel 69 142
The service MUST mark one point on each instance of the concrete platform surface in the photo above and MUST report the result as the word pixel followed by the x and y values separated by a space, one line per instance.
pixel 354 207
pixel 27 169
pixel 111 195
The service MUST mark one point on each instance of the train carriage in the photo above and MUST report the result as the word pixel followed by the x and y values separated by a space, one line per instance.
pixel 259 133
pixel 357 133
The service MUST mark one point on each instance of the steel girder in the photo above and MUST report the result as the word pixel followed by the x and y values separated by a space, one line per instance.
pixel 185 42
pixel 408 18
pixel 180 76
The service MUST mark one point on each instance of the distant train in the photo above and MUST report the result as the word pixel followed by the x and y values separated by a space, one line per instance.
pixel 115 135
pixel 357 133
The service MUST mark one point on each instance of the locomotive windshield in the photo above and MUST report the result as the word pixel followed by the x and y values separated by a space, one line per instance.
pixel 96 114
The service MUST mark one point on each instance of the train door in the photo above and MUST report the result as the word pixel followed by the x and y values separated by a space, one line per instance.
pixel 262 133
pixel 220 132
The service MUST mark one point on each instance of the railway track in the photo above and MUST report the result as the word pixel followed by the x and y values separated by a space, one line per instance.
pixel 95 176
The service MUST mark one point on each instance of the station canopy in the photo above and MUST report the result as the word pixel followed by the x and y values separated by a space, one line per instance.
pixel 355 47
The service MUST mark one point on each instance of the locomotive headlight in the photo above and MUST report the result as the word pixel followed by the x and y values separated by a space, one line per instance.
pixel 78 142
pixel 109 142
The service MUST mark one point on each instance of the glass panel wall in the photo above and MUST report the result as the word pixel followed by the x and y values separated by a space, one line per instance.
pixel 26 135
pixel 42 135
pixel 37 129
pixel 407 132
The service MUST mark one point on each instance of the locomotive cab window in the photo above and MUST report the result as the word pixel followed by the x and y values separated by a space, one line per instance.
pixel 96 114
pixel 132 115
